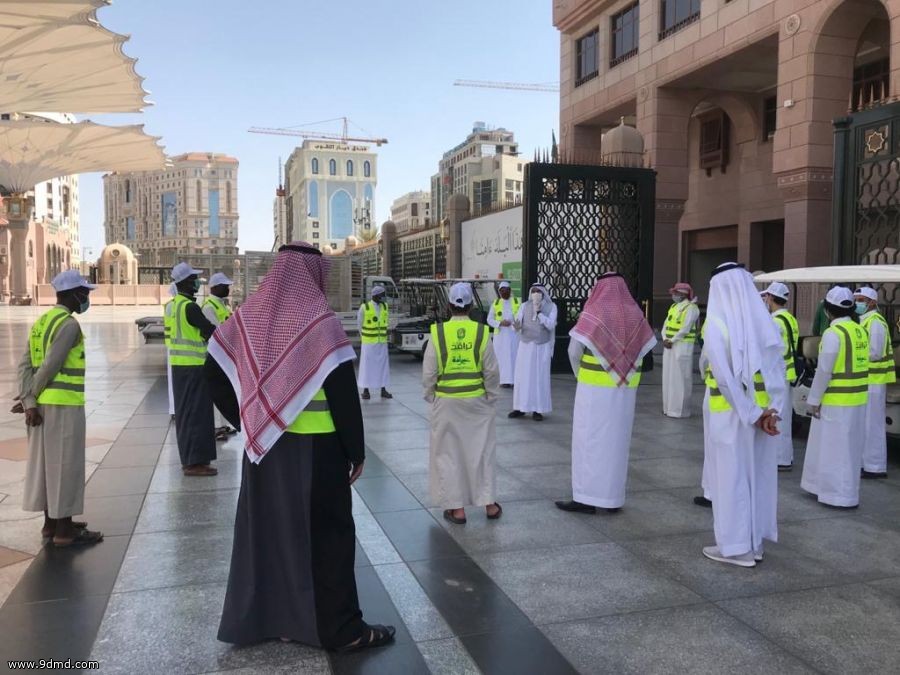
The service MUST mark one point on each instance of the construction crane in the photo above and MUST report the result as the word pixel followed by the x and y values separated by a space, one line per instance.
pixel 518 86
pixel 343 137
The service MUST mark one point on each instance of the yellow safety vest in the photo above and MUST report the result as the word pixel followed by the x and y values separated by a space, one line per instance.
pixel 186 345
pixel 375 326
pixel 717 400
pixel 593 373
pixel 222 310
pixel 675 321
pixel 315 418
pixel 460 349
pixel 849 385
pixel 498 308
pixel 789 349
pixel 67 386
pixel 881 370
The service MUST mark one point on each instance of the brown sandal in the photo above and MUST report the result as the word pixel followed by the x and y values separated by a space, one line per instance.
pixel 448 516
pixel 83 537
pixel 497 514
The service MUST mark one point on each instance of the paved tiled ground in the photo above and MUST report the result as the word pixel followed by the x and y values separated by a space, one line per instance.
pixel 540 591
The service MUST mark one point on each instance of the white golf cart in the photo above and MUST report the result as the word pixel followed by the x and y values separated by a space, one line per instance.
pixel 852 276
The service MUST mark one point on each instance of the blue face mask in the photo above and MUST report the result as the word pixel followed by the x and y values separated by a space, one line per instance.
pixel 862 307
pixel 83 304
pixel 196 285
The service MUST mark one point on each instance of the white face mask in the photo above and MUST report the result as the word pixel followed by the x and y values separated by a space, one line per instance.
pixel 536 298
pixel 677 298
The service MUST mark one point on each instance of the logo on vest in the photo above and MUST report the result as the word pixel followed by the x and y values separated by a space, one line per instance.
pixel 461 334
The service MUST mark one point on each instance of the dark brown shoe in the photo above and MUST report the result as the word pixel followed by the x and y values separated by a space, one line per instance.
pixel 200 470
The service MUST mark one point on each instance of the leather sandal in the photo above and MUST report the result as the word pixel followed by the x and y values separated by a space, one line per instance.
pixel 377 635
pixel 83 537
pixel 498 513
pixel 448 516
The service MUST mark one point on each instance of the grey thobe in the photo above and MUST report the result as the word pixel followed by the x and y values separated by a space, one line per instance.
pixel 54 475
pixel 463 438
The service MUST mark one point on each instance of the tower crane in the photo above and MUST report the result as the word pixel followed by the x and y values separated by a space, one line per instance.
pixel 518 86
pixel 343 137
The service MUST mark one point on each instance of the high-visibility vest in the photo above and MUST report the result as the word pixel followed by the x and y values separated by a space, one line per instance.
pixel 67 386
pixel 849 385
pixel 375 326
pixel 881 370
pixel 780 317
pixel 717 400
pixel 315 417
pixel 186 345
pixel 675 321
pixel 222 310
pixel 498 308
pixel 460 349
pixel 593 373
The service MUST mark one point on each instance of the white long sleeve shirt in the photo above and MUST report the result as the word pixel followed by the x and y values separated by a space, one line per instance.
pixel 507 314
pixel 877 336
pixel 718 355
pixel 691 314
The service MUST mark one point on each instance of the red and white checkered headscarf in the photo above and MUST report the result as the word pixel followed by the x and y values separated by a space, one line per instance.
pixel 614 328
pixel 280 345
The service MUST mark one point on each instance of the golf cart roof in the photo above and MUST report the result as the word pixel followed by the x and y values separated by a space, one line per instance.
pixel 444 282
pixel 859 274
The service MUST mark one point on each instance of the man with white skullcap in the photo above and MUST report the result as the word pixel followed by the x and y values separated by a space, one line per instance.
pixel 502 318
pixel 460 376
pixel 881 373
pixel 837 401
pixel 776 297
pixel 217 311
pixel 374 361
pixel 51 394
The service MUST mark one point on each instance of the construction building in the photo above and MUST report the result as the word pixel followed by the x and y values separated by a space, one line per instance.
pixel 412 211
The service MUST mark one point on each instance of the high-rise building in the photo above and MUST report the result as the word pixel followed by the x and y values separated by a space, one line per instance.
pixel 330 192
pixel 412 211
pixel 485 167
pixel 191 208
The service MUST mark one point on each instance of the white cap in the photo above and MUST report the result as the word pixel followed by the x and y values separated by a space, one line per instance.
pixel 778 290
pixel 867 292
pixel 219 279
pixel 461 294
pixel 840 297
pixel 182 271
pixel 504 284
pixel 66 281
pixel 378 290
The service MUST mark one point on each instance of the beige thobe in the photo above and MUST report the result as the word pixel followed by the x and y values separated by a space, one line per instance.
pixel 463 437
pixel 54 475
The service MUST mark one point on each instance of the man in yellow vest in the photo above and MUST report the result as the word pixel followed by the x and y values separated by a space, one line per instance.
pixel 502 319
pixel 217 310
pixel 374 359
pixel 51 394
pixel 460 377
pixel 882 372
pixel 679 334
pixel 187 331
pixel 776 297
pixel 837 401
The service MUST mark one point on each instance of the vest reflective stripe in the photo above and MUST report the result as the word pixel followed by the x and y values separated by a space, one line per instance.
pixel 67 386
pixel 375 327
pixel 221 309
pixel 315 418
pixel 675 322
pixel 849 385
pixel 592 372
pixel 186 345
pixel 717 400
pixel 460 347
pixel 789 350
pixel 882 370
pixel 514 305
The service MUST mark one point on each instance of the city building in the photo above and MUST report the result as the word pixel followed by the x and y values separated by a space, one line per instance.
pixel 485 167
pixel 330 189
pixel 190 208
pixel 736 102
pixel 412 211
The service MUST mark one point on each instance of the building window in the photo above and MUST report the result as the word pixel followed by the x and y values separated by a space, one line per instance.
pixel 349 167
pixel 332 167
pixel 227 197
pixel 770 117
pixel 316 224
pixel 367 169
pixel 199 196
pixel 676 14
pixel 315 165
pixel 313 199
pixel 315 235
pixel 624 33
pixel 714 141
pixel 586 64
pixel 414 209
pixel 869 81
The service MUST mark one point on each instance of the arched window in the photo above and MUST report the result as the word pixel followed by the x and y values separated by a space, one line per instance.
pixel 315 165
pixel 367 169
pixel 228 197
pixel 341 215
pixel 313 199
pixel 199 196
pixel 349 167
pixel 332 167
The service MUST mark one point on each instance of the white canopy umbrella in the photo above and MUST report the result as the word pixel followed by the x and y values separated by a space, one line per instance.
pixel 55 56
pixel 33 151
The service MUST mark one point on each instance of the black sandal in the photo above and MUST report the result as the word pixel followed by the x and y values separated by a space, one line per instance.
pixel 448 516
pixel 379 636
pixel 497 515
pixel 83 537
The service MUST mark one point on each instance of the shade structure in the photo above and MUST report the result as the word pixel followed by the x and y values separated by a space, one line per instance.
pixel 33 151
pixel 55 56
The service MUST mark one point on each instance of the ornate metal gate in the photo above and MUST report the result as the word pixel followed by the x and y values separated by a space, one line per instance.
pixel 582 221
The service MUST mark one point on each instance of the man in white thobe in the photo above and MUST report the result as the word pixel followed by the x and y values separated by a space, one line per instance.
pixel 679 335
pixel 744 378
pixel 374 358
pixel 776 297
pixel 837 402
pixel 881 373
pixel 608 345
pixel 217 311
pixel 502 318
pixel 536 323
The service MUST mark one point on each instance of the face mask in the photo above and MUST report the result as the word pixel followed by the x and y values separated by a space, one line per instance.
pixel 677 298
pixel 379 299
pixel 862 307
pixel 196 285
pixel 537 297
pixel 83 303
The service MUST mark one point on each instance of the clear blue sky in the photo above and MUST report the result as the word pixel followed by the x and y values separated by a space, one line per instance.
pixel 216 67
